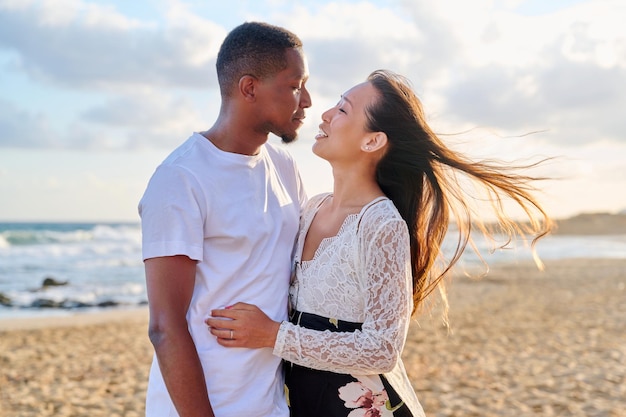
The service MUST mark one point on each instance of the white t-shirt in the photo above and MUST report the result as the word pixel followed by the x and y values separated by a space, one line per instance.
pixel 237 215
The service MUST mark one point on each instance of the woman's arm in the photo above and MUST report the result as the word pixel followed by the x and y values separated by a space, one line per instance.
pixel 374 349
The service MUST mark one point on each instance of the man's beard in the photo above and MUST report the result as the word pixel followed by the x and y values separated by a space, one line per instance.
pixel 289 138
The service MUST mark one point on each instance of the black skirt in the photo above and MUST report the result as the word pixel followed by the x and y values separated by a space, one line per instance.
pixel 315 393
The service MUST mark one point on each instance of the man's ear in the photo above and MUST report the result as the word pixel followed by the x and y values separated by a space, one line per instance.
pixel 248 87
pixel 375 142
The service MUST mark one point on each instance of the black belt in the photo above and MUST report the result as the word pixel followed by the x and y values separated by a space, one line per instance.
pixel 315 322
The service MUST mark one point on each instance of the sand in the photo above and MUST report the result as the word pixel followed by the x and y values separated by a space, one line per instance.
pixel 521 343
pixel 527 343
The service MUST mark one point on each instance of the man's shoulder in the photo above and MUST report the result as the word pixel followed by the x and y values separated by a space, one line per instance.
pixel 185 153
pixel 277 152
pixel 184 147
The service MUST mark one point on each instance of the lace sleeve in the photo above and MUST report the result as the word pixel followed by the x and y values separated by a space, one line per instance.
pixel 384 264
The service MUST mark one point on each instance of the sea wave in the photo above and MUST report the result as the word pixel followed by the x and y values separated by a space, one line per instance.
pixel 99 264
pixel 26 234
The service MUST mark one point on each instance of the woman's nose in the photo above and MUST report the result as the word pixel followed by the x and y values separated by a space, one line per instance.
pixel 326 115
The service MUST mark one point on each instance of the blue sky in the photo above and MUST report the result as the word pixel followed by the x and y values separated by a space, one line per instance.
pixel 94 94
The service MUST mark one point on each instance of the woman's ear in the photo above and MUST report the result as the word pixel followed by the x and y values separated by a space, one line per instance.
pixel 375 142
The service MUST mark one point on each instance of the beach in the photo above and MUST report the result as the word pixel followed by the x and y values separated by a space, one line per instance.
pixel 521 342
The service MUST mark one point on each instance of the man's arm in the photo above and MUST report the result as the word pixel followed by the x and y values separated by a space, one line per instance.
pixel 170 282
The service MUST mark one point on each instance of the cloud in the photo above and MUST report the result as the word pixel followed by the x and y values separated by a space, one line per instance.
pixel 81 45
pixel 564 71
pixel 143 120
pixel 481 63
pixel 141 110
pixel 582 100
pixel 21 129
pixel 346 41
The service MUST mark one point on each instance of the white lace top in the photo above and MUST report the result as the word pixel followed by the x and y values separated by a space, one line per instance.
pixel 363 274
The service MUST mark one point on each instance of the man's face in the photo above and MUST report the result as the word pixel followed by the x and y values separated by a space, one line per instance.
pixel 284 97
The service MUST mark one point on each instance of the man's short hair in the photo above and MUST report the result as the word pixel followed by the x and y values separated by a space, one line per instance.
pixel 253 48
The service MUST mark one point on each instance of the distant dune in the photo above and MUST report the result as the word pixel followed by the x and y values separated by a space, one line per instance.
pixel 592 224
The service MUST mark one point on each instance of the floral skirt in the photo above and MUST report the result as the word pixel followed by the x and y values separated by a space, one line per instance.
pixel 328 394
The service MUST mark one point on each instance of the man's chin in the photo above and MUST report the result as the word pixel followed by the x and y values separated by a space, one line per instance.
pixel 289 138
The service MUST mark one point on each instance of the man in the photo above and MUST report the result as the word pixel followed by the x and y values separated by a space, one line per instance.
pixel 219 219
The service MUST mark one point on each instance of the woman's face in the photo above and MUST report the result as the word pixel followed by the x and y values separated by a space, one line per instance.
pixel 343 133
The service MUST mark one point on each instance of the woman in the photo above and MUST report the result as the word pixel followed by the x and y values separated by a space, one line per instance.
pixel 366 255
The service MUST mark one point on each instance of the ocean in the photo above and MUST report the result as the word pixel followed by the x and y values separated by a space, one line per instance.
pixel 100 265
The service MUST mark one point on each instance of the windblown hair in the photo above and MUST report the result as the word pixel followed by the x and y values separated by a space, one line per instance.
pixel 420 174
pixel 253 48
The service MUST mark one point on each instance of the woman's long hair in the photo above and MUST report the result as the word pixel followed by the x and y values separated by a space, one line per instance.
pixel 420 174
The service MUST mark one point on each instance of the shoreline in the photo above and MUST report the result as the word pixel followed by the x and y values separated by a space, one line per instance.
pixel 65 318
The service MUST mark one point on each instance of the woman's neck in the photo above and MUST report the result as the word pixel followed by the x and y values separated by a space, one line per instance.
pixel 353 189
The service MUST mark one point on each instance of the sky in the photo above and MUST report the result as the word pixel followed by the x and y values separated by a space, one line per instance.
pixel 95 93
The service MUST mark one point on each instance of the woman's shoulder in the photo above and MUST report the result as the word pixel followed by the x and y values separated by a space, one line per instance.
pixel 381 207
pixel 316 200
pixel 379 213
